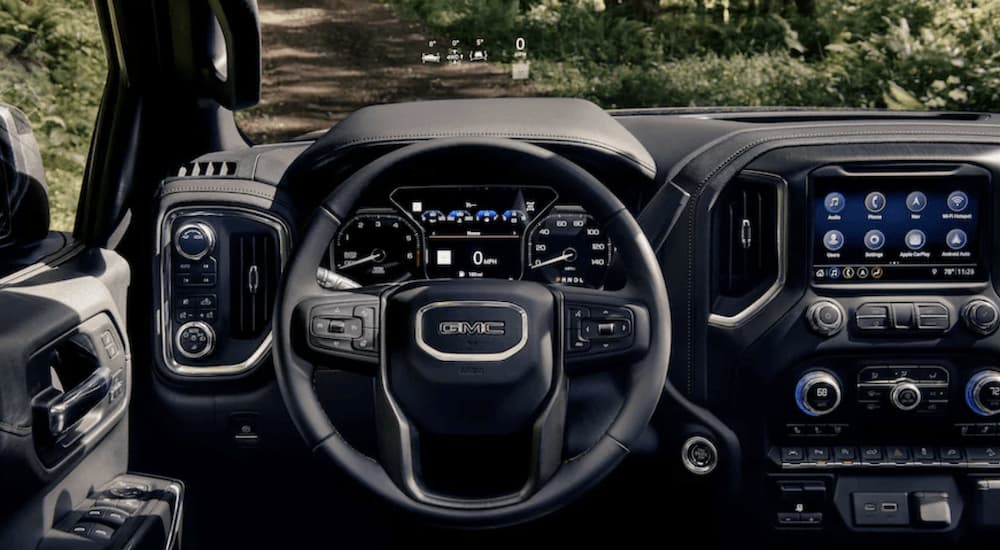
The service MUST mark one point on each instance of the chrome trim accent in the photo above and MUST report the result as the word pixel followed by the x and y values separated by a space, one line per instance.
pixel 165 321
pixel 470 357
pixel 806 383
pixel 690 465
pixel 817 324
pixel 898 388
pixel 209 346
pixel 748 313
pixel 975 386
pixel 205 230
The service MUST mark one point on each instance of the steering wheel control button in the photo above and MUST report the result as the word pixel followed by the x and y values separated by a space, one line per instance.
pixel 982 392
pixel 834 202
pixel 195 340
pixel 598 329
pixel 958 201
pixel 346 329
pixel 905 396
pixel 699 455
pixel 981 316
pixel 916 202
pixel 194 240
pixel 833 240
pixel 817 393
pixel 875 202
pixel 874 240
pixel 825 317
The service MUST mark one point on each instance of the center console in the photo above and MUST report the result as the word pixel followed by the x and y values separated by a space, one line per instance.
pixel 886 418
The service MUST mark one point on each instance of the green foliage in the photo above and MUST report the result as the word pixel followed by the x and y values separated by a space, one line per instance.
pixel 52 67
pixel 900 54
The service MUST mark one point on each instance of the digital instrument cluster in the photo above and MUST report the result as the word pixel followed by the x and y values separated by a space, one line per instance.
pixel 498 232
pixel 896 229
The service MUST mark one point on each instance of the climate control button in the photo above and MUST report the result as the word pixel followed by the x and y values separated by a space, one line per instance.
pixel 818 393
pixel 982 393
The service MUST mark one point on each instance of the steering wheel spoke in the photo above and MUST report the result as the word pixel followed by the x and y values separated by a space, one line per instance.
pixel 343 324
pixel 602 329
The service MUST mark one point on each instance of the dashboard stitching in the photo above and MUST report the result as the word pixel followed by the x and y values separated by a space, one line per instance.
pixel 216 189
pixel 697 194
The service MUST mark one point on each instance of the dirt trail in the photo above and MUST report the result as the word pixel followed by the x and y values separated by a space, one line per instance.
pixel 323 59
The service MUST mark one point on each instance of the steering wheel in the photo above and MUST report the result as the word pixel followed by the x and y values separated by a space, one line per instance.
pixel 467 360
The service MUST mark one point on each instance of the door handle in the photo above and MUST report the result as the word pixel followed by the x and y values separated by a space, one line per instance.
pixel 73 405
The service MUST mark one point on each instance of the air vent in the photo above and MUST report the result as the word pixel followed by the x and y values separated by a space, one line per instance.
pixel 746 244
pixel 254 264
pixel 208 169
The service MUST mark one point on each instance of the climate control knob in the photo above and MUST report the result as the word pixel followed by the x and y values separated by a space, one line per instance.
pixel 905 396
pixel 817 393
pixel 195 339
pixel 825 317
pixel 194 240
pixel 981 317
pixel 982 393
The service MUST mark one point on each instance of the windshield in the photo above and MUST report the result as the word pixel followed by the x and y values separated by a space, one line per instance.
pixel 323 59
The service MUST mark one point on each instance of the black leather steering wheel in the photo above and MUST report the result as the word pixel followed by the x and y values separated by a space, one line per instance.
pixel 442 370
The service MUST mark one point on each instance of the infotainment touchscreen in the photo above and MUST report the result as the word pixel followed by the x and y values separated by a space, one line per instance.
pixel 898 228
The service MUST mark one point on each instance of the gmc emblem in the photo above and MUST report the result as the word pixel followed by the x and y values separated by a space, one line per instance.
pixel 480 328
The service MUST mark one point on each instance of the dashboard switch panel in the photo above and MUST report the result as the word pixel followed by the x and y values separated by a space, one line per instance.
pixel 219 268
pixel 902 318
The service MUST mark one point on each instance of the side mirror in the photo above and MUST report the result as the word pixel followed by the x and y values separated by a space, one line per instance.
pixel 234 77
pixel 24 195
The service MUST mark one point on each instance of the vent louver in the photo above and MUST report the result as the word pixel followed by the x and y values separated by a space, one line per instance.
pixel 255 266
pixel 746 243
pixel 206 169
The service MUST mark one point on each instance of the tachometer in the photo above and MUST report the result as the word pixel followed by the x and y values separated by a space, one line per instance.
pixel 377 248
pixel 569 249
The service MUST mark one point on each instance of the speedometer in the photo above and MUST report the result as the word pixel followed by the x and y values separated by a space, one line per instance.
pixel 377 248
pixel 570 249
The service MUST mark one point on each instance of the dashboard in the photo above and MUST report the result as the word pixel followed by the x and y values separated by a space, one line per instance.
pixel 832 279
pixel 491 232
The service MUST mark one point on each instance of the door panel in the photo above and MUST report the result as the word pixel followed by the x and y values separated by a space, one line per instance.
pixel 64 387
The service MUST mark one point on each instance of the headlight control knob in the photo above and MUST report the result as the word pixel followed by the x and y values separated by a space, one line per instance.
pixel 817 393
pixel 194 240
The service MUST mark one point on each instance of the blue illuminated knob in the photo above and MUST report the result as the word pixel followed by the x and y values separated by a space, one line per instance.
pixel 982 393
pixel 817 393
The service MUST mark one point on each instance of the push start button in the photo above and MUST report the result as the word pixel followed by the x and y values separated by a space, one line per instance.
pixel 699 455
